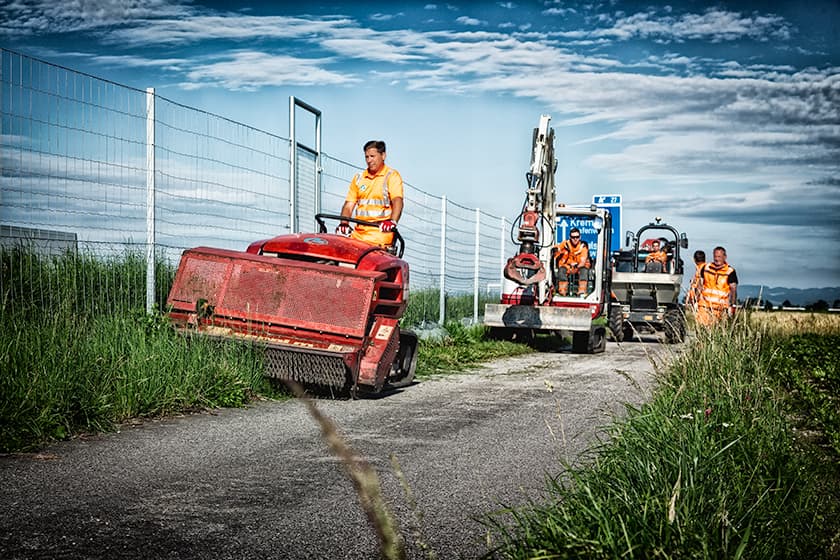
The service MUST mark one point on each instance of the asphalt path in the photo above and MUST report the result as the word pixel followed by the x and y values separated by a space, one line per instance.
pixel 260 482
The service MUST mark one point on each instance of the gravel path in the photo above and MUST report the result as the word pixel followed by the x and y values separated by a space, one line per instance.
pixel 260 482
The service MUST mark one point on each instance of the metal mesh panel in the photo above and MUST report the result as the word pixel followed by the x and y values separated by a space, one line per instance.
pixel 306 179
pixel 309 298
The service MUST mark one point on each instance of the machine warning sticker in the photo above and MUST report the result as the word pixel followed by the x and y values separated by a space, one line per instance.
pixel 384 332
pixel 315 240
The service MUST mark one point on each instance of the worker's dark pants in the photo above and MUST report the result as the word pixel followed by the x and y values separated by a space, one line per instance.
pixel 581 278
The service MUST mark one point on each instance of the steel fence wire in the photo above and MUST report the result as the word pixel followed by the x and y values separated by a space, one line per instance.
pixel 217 182
pixel 74 198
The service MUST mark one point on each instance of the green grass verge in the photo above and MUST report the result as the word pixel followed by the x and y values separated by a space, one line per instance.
pixel 809 365
pixel 61 374
pixel 463 348
pixel 710 468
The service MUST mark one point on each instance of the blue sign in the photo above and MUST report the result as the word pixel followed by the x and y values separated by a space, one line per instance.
pixel 589 228
pixel 611 202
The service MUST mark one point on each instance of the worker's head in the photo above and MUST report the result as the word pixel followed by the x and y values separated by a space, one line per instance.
pixel 699 256
pixel 720 255
pixel 374 155
pixel 574 236
pixel 655 245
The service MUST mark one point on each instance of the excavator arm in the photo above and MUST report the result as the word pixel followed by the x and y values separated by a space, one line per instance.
pixel 537 227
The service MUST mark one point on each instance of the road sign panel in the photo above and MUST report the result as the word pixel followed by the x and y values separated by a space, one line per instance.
pixel 611 202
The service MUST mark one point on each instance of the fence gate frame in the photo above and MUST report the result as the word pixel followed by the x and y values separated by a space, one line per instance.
pixel 294 146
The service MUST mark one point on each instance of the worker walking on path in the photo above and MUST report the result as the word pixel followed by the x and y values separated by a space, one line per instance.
pixel 377 196
pixel 572 259
pixel 718 292
pixel 694 288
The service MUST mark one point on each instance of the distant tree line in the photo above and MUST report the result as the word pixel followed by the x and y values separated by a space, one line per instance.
pixel 819 305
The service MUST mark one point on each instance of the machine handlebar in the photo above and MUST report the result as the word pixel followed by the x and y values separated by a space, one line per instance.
pixel 397 247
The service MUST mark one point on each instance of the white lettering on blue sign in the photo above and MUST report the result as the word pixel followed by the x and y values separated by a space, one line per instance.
pixel 606 199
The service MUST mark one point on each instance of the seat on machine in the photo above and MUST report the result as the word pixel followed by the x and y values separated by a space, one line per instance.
pixel 653 266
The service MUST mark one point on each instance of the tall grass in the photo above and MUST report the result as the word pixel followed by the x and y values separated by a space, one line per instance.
pixel 78 353
pixel 64 374
pixel 710 468
pixel 424 306
pixel 78 282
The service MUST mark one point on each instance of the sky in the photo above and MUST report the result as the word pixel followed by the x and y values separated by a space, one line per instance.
pixel 721 118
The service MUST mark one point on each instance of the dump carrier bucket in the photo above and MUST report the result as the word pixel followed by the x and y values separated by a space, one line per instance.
pixel 312 318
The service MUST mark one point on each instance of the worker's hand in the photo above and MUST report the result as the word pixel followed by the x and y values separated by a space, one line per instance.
pixel 343 228
pixel 387 225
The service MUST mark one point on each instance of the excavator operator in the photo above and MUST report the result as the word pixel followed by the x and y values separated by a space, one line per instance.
pixel 377 195
pixel 572 259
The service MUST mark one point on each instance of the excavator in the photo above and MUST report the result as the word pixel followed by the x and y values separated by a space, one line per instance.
pixel 535 295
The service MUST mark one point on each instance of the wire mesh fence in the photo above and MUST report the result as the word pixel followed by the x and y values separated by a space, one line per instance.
pixel 79 153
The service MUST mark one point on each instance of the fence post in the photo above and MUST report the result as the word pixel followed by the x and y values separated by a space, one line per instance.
pixel 476 260
pixel 442 302
pixel 502 255
pixel 150 199
pixel 293 223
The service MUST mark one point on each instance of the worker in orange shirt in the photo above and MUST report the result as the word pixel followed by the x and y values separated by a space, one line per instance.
pixel 694 288
pixel 656 256
pixel 718 292
pixel 572 259
pixel 377 196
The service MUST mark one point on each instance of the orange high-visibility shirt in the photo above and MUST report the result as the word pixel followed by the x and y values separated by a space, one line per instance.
pixel 567 255
pixel 696 284
pixel 715 287
pixel 660 256
pixel 372 195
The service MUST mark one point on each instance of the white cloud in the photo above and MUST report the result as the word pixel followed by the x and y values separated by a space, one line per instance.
pixel 371 48
pixel 385 17
pixel 234 27
pixel 715 25
pixel 250 70
pixel 26 17
pixel 764 130
pixel 558 11
pixel 464 20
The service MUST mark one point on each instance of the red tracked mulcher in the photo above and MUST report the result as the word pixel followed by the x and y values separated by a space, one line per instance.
pixel 325 307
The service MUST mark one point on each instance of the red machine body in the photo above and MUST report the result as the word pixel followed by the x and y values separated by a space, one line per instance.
pixel 325 307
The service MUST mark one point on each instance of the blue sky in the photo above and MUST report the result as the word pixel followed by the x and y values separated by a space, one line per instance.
pixel 723 118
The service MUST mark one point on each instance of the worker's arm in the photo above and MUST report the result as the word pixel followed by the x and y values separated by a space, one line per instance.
pixel 733 294
pixel 583 258
pixel 347 209
pixel 396 208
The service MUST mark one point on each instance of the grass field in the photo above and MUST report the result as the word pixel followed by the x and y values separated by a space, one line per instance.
pixel 734 457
